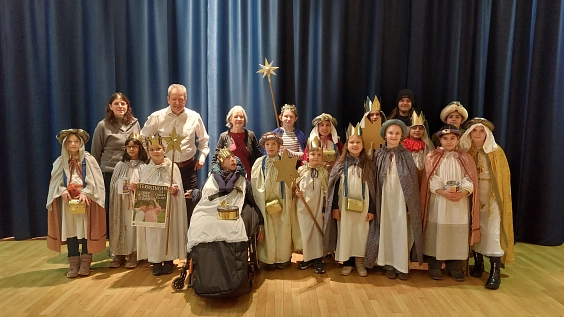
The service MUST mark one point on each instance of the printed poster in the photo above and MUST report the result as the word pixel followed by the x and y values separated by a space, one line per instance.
pixel 149 207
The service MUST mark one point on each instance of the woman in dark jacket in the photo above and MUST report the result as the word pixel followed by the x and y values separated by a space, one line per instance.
pixel 242 142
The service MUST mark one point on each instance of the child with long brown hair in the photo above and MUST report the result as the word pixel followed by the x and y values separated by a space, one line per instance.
pixel 349 207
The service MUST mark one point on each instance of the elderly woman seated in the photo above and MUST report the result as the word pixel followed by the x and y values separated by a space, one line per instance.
pixel 216 216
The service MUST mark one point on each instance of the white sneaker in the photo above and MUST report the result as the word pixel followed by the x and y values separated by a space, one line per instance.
pixel 346 270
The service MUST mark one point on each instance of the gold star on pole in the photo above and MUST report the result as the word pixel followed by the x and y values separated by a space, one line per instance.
pixel 267 69
pixel 173 141
pixel 286 169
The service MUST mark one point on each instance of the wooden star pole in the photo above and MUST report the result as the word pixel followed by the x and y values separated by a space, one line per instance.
pixel 173 143
pixel 309 210
pixel 267 69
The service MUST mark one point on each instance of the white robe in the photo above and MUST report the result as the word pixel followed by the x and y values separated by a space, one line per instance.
pixel 73 225
pixel 277 244
pixel 204 225
pixel 396 236
pixel 127 210
pixel 155 238
pixel 447 232
pixel 490 221
pixel 314 190
pixel 352 228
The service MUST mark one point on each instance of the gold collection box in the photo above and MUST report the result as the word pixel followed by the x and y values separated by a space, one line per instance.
pixel 75 207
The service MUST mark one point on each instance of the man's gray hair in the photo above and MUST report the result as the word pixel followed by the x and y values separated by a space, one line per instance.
pixel 178 87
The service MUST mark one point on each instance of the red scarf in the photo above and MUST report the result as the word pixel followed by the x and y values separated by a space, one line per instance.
pixel 413 145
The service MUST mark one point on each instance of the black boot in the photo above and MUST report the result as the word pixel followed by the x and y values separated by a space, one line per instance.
pixel 495 274
pixel 478 265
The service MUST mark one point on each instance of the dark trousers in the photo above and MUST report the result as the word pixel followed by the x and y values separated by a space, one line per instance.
pixel 72 246
pixel 107 180
pixel 189 181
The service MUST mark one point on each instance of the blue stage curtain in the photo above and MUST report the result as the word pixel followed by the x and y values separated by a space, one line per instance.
pixel 61 60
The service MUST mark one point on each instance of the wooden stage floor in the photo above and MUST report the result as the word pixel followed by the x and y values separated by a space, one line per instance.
pixel 33 283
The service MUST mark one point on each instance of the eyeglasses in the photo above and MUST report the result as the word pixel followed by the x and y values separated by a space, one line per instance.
pixel 73 142
pixel 132 147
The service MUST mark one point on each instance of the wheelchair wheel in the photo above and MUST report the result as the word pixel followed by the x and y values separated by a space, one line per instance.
pixel 178 283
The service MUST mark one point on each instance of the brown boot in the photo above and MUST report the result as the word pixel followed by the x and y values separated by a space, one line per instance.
pixel 85 261
pixel 74 262
pixel 132 261
pixel 117 261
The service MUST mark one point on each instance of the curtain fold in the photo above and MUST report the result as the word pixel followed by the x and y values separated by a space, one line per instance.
pixel 61 60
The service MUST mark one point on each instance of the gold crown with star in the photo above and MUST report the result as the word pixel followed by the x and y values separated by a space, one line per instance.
pixel 354 130
pixel 223 153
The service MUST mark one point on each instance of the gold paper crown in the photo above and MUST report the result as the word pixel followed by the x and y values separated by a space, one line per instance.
pixel 155 139
pixel 314 144
pixel 223 154
pixel 354 130
pixel 135 135
pixel 372 105
pixel 417 119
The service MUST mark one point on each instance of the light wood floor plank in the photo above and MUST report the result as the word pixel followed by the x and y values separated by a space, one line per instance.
pixel 33 283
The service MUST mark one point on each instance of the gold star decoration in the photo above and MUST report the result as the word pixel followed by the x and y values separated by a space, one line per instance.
pixel 267 69
pixel 286 167
pixel 173 141
pixel 371 134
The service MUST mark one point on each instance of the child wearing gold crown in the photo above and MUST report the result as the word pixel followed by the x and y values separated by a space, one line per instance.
pixel 418 142
pixel 398 226
pixel 449 223
pixel 311 190
pixel 123 237
pixel 75 203
pixel 324 128
pixel 152 242
pixel 226 186
pixel 274 203
pixel 349 207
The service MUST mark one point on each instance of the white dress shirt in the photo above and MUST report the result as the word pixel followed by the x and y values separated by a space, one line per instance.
pixel 188 123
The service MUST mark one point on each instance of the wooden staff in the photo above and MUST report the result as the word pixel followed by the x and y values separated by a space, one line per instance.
pixel 308 210
pixel 168 204
pixel 274 103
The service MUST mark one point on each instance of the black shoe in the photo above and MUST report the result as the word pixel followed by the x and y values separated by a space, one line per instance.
pixel 319 267
pixel 157 269
pixel 391 274
pixel 435 274
pixel 403 276
pixel 457 275
pixel 478 265
pixel 168 267
pixel 269 267
pixel 494 280
pixel 283 265
pixel 304 265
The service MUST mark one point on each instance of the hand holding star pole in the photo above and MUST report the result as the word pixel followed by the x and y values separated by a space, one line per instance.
pixel 267 69
pixel 172 143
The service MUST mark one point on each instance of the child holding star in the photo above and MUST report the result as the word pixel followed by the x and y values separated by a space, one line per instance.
pixel 271 198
